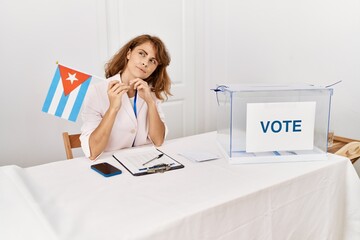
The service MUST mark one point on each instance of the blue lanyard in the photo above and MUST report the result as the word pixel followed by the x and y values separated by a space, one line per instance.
pixel 135 103
pixel 135 97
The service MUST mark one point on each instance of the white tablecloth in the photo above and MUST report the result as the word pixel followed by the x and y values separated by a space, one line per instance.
pixel 208 200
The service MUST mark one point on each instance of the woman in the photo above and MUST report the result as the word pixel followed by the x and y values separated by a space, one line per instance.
pixel 125 111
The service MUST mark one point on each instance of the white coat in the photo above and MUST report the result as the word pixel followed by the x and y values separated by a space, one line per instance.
pixel 128 130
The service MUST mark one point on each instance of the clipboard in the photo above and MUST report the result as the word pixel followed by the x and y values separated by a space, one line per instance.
pixel 146 160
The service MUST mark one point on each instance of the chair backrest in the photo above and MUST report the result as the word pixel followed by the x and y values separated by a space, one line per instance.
pixel 346 147
pixel 351 150
pixel 71 141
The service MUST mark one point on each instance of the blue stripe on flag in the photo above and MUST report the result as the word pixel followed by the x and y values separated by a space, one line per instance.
pixel 61 106
pixel 51 91
pixel 79 100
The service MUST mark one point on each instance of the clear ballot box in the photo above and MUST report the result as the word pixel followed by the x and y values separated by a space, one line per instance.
pixel 260 124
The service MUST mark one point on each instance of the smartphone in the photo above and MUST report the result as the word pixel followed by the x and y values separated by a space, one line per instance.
pixel 106 169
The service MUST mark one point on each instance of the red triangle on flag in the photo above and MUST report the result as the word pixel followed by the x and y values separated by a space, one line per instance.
pixel 71 78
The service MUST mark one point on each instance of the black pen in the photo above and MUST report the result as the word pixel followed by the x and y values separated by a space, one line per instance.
pixel 161 165
pixel 157 157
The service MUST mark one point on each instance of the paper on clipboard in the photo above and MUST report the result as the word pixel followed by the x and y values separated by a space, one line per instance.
pixel 145 160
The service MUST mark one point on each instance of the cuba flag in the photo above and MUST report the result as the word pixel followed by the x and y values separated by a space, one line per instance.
pixel 66 93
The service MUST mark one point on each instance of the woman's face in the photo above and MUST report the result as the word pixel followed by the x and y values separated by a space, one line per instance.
pixel 142 61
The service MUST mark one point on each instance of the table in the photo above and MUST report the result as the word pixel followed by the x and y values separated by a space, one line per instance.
pixel 208 200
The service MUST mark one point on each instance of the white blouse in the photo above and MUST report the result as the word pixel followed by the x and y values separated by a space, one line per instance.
pixel 128 130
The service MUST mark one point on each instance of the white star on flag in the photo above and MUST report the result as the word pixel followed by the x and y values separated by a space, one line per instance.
pixel 72 77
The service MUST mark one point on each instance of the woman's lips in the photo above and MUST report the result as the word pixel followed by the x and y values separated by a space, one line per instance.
pixel 141 70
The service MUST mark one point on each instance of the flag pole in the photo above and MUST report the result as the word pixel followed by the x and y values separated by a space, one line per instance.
pixel 101 78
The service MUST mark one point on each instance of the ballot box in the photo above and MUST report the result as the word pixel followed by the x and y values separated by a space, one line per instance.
pixel 260 124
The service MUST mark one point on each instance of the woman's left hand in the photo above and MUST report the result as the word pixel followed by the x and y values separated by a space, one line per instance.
pixel 142 88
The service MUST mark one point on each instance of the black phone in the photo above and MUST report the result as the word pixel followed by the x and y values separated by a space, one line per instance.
pixel 106 169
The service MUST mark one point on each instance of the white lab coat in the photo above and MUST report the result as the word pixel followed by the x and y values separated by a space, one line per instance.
pixel 127 130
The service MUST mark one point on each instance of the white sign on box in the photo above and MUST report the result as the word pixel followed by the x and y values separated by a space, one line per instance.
pixel 282 126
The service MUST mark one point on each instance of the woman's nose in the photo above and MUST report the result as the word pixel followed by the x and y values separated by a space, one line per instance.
pixel 144 64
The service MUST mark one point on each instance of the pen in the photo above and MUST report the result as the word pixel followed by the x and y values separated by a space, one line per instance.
pixel 157 166
pixel 157 157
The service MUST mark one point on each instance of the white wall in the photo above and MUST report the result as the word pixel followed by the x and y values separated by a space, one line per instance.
pixel 281 41
pixel 254 41
pixel 34 35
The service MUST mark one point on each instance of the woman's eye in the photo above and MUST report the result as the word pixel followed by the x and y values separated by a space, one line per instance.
pixel 153 61
pixel 142 54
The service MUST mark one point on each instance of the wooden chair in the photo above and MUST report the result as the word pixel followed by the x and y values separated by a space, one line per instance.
pixel 71 141
pixel 346 147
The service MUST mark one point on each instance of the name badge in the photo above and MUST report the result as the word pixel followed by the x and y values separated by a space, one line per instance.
pixel 285 126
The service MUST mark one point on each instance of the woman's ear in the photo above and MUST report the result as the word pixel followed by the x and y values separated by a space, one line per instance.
pixel 128 54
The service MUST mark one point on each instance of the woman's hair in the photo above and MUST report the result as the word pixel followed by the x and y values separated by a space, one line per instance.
pixel 159 80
